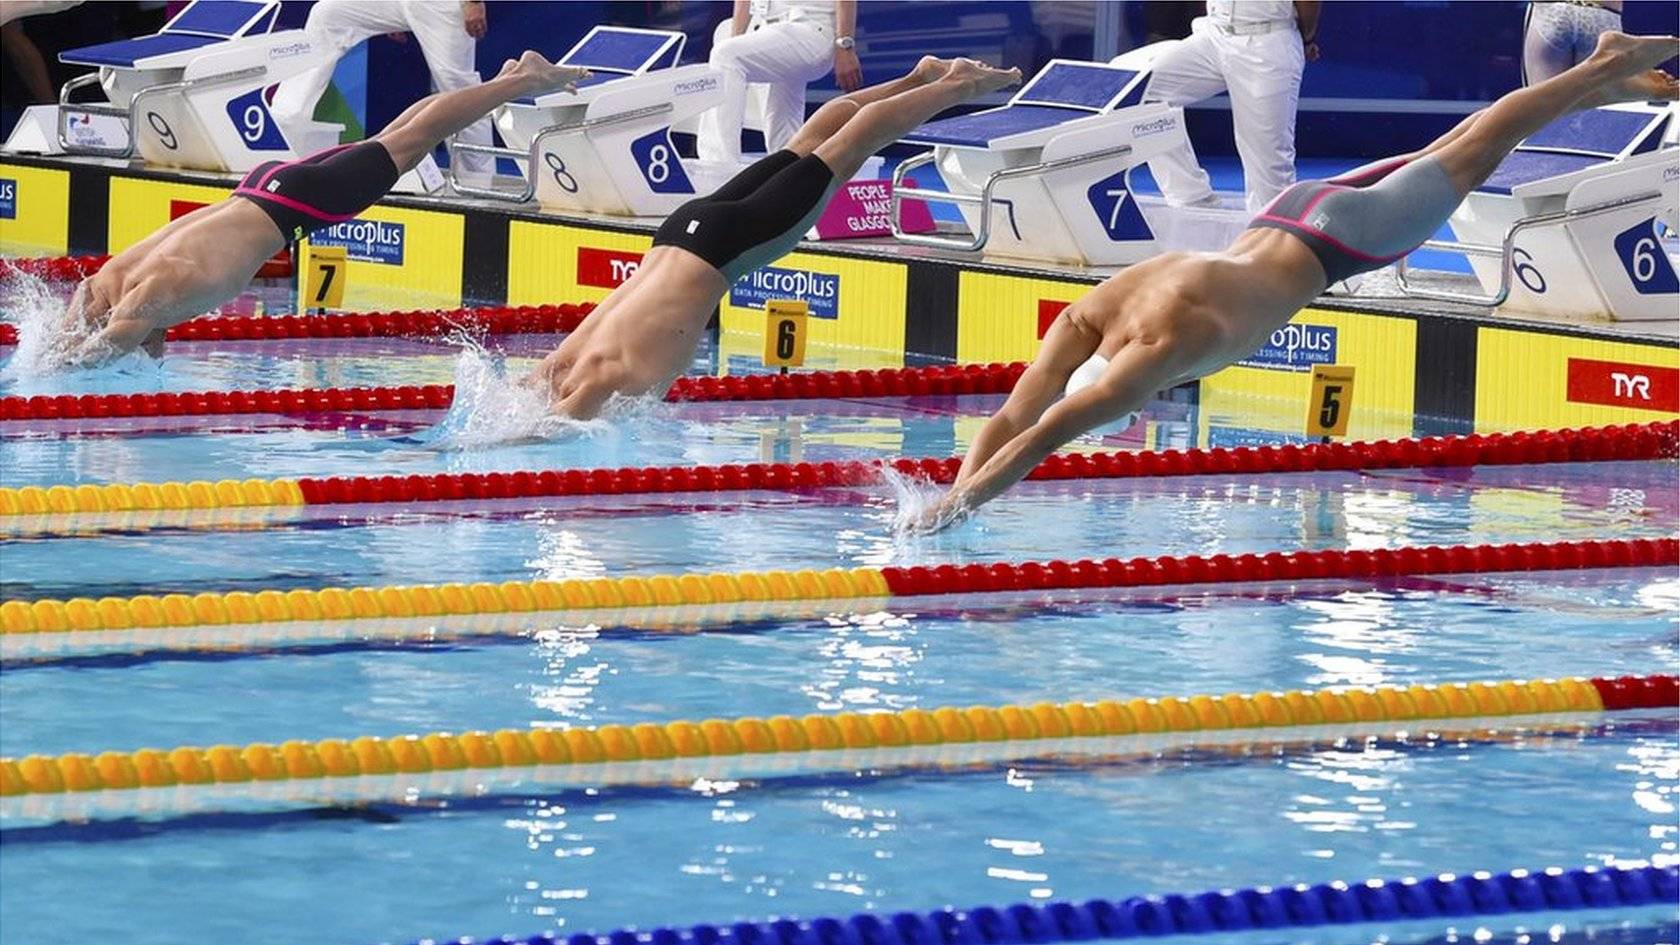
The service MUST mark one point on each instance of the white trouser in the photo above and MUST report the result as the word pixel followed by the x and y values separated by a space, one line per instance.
pixel 1262 71
pixel 785 55
pixel 1559 35
pixel 337 25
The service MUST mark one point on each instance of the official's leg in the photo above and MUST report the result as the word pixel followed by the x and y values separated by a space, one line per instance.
pixel 1265 79
pixel 1189 72
pixel 807 54
pixel 451 55
pixel 334 26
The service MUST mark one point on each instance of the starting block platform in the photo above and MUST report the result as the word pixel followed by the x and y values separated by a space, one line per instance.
pixel 192 94
pixel 1578 221
pixel 1045 176
pixel 607 149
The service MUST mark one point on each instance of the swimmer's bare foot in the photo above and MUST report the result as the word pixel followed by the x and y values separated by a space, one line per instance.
pixel 1631 55
pixel 930 68
pixel 1653 85
pixel 981 77
pixel 542 76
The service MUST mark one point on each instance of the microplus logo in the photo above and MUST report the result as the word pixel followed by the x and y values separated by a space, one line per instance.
pixel 1295 348
pixel 1144 129
pixel 819 290
pixel 694 85
pixel 365 240
pixel 8 199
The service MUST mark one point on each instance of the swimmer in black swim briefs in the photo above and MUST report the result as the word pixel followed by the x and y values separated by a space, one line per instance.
pixel 197 262
pixel 643 335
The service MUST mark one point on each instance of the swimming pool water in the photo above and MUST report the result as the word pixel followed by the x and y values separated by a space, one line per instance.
pixel 1039 826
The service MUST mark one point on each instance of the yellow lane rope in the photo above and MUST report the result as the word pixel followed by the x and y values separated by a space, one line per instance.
pixel 243 607
pixel 535 748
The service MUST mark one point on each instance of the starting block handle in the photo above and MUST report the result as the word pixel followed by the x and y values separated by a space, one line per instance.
pixel 979 239
pixel 133 109
pixel 1506 251
pixel 66 108
pixel 531 156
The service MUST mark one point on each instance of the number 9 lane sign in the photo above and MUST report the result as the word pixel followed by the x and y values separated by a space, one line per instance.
pixel 253 123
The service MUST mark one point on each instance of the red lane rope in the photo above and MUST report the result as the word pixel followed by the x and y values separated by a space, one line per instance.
pixel 1631 442
pixel 968 379
pixel 1281 566
pixel 489 320
pixel 56 268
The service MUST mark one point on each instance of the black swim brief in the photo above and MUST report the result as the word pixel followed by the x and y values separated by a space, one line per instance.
pixel 756 218
pixel 324 188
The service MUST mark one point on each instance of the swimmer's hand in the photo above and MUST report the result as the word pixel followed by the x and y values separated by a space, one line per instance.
pixel 948 511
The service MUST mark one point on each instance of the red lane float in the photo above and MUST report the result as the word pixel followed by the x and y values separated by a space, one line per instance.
pixel 968 379
pixel 490 320
pixel 1296 566
pixel 1631 442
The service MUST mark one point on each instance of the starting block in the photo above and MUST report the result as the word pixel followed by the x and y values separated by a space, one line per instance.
pixel 1046 175
pixel 607 149
pixel 192 94
pixel 1578 222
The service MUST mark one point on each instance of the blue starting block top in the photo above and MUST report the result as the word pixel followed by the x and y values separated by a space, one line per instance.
pixel 124 53
pixel 979 129
pixel 622 50
pixel 1061 92
pixel 1603 131
pixel 1576 142
pixel 224 18
pixel 202 23
pixel 1082 85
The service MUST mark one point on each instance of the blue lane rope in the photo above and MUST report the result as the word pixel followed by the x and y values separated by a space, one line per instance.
pixel 1262 907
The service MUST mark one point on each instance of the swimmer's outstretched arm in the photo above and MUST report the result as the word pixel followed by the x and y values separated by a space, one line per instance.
pixel 1066 346
pixel 1099 404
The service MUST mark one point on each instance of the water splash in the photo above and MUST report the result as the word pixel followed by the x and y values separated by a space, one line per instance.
pixel 916 498
pixel 36 307
pixel 492 409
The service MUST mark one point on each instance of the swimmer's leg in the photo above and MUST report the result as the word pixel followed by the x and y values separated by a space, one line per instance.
pixel 834 113
pixel 1067 345
pixel 1621 69
pixel 424 125
pixel 882 122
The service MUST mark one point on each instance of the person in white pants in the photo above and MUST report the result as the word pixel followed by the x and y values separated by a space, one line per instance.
pixel 1558 34
pixel 448 31
pixel 785 43
pixel 1256 50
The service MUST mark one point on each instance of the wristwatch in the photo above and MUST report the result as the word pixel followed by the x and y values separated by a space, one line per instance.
pixel 845 42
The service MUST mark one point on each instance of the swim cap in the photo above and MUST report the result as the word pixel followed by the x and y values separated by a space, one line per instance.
pixel 1084 376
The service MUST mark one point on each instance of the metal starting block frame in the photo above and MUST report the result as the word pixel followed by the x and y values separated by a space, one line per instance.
pixel 1046 176
pixel 607 149
pixel 192 95
pixel 1570 224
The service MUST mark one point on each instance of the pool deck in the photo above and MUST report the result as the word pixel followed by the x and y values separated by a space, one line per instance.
pixel 1462 365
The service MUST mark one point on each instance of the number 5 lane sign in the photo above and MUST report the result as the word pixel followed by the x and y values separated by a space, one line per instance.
pixel 1331 402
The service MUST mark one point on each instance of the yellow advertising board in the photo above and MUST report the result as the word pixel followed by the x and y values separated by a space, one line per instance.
pixel 1527 380
pixel 34 211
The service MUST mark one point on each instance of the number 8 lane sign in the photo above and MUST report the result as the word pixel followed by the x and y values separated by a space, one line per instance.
pixel 1331 402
